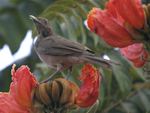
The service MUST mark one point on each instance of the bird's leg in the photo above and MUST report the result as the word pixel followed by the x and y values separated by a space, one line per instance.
pixel 69 71
pixel 59 67
pixel 46 80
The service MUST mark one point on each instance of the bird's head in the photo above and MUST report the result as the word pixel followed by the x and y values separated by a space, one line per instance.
pixel 43 26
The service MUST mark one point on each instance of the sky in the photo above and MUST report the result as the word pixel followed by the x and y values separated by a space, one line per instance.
pixel 7 58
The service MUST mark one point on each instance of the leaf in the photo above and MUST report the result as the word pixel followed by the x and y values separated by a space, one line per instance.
pixel 144 99
pixel 95 38
pixel 82 10
pixel 93 107
pixel 15 22
pixel 138 71
pixel 101 94
pixel 108 79
pixel 81 26
pixel 3 3
pixel 129 106
pixel 56 27
pixel 121 73
pixel 136 100
pixel 70 27
pixel 92 3
pixel 12 31
pixel 64 3
pixel 63 11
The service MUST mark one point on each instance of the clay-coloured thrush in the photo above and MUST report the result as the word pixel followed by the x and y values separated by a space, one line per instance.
pixel 60 53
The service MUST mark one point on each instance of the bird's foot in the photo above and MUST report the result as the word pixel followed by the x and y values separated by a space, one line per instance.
pixel 46 80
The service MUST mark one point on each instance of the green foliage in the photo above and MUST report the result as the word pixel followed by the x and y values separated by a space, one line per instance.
pixel 122 90
pixel 14 20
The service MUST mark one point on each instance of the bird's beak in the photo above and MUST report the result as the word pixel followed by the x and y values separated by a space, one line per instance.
pixel 34 18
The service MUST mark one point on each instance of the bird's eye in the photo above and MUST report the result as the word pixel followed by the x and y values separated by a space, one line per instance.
pixel 45 21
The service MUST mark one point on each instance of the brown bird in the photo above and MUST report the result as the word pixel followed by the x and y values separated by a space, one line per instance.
pixel 60 53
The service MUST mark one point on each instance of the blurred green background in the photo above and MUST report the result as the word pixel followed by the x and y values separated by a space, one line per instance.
pixel 122 90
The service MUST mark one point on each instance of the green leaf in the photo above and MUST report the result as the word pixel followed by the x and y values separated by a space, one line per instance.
pixel 148 111
pixel 95 38
pixel 63 11
pixel 15 22
pixel 92 3
pixel 70 27
pixel 129 106
pixel 56 27
pixel 108 79
pixel 93 108
pixel 138 71
pixel 121 73
pixel 144 99
pixel 101 93
pixel 122 76
pixel 81 26
pixel 82 10
pixel 13 31
pixel 136 100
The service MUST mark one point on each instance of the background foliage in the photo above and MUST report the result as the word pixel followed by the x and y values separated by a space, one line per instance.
pixel 122 90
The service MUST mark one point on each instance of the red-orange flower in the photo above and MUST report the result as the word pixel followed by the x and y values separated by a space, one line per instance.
pixel 20 91
pixel 8 105
pixel 134 53
pixel 107 24
pixel 131 11
pixel 89 91
pixel 23 91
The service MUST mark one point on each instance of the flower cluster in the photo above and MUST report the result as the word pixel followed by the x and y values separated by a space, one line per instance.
pixel 28 96
pixel 124 24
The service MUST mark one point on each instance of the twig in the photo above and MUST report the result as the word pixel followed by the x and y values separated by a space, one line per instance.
pixel 130 95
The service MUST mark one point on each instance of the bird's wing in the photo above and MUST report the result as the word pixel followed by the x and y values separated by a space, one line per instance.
pixel 56 45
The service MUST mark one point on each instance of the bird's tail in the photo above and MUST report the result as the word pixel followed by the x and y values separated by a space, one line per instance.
pixel 100 61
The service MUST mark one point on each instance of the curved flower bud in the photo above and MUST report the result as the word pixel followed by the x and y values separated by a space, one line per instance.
pixel 134 53
pixel 109 27
pixel 27 95
pixel 89 91
pixel 75 90
pixel 59 91
pixel 131 11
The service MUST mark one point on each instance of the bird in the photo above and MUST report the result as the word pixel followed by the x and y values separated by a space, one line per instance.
pixel 60 53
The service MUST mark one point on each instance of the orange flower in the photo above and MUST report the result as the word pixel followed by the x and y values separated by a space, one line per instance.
pixel 18 99
pixel 131 11
pixel 89 91
pixel 25 90
pixel 110 8
pixel 108 25
pixel 8 105
pixel 134 53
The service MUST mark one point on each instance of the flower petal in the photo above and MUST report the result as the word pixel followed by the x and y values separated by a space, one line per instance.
pixel 89 91
pixel 109 28
pixel 134 53
pixel 20 89
pixel 8 105
pixel 113 11
pixel 131 11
